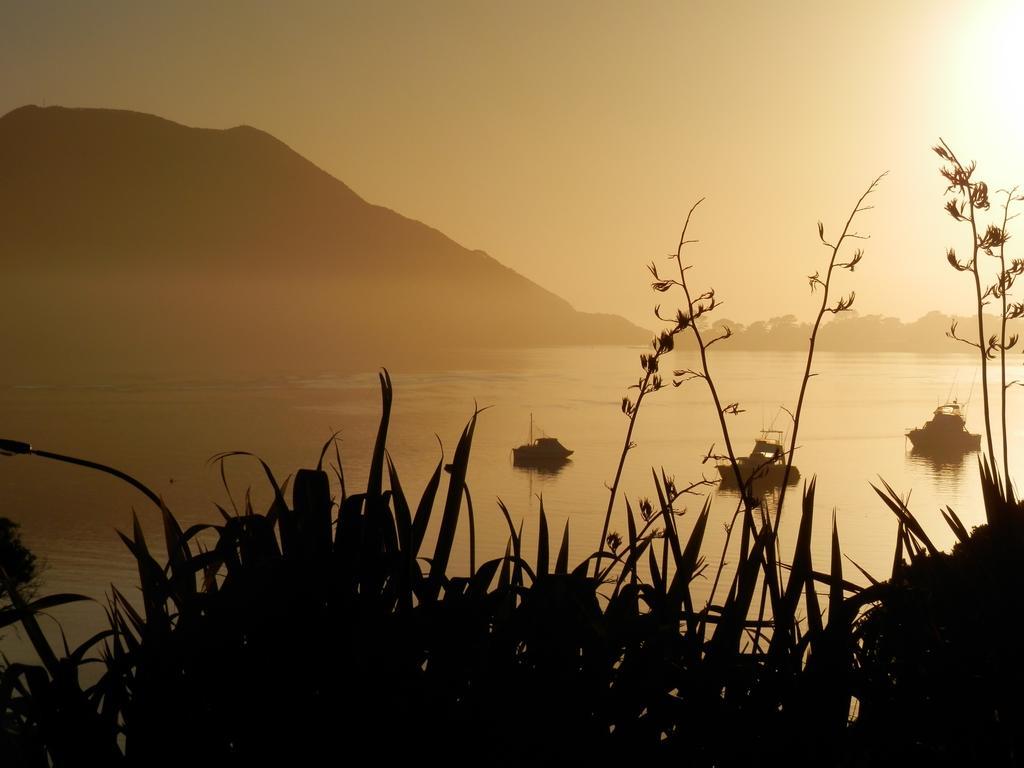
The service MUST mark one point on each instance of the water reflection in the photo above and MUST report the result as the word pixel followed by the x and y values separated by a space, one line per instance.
pixel 944 467
pixel 760 486
pixel 546 468
pixel 169 430
pixel 538 475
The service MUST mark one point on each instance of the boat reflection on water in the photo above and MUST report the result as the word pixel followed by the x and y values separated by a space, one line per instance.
pixel 946 469
pixel 545 469
pixel 950 460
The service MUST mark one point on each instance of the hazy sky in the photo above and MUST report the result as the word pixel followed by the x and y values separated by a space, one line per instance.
pixel 568 139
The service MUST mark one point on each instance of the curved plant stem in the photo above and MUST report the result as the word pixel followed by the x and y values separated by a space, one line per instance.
pixel 703 347
pixel 825 285
pixel 149 494
pixel 614 489
pixel 967 188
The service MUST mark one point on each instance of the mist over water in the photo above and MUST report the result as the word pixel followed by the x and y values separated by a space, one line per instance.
pixel 857 411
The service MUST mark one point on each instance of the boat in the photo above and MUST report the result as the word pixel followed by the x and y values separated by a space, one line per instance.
pixel 945 433
pixel 764 468
pixel 541 452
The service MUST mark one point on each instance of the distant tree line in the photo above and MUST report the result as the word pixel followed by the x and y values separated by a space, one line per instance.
pixel 850 332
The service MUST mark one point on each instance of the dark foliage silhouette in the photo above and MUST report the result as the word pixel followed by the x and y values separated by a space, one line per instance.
pixel 17 563
pixel 334 625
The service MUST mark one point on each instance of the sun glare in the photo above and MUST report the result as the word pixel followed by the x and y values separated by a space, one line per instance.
pixel 1003 35
pixel 991 62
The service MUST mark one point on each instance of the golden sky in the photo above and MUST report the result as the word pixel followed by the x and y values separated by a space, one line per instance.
pixel 568 139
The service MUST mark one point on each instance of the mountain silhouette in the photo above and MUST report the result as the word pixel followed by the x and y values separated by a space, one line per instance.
pixel 131 244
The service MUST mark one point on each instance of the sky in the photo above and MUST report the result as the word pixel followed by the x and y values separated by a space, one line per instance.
pixel 569 139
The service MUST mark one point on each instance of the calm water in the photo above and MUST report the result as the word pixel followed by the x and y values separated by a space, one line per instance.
pixel 856 414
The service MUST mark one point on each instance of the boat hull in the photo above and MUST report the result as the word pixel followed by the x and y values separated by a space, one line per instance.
pixel 526 456
pixel 924 442
pixel 946 433
pixel 546 452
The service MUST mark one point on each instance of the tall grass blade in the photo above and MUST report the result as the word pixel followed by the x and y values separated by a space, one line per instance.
pixel 517 553
pixel 450 515
pixel 332 440
pixel 657 582
pixel 664 556
pixel 178 555
pixel 814 616
pixel 403 516
pixel 953 521
pixel 772 572
pixel 124 608
pixel 671 534
pixel 339 470
pixel 27 616
pixel 562 561
pixel 425 508
pixel 375 479
pixel 835 592
pixel 471 518
pixel 77 656
pixel 689 562
pixel 897 558
pixel 154 585
pixel 505 576
pixel 13 614
pixel 632 535
pixel 513 535
pixel 542 543
pixel 725 642
pixel 837 613
pixel 871 579
pixel 800 573
pixel 899 508
pixel 279 507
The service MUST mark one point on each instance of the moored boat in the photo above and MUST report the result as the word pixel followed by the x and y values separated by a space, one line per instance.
pixel 946 432
pixel 542 452
pixel 764 468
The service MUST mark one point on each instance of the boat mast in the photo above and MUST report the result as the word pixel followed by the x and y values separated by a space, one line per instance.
pixel 531 429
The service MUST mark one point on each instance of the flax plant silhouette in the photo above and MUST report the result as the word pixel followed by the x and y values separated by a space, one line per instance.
pixel 17 562
pixel 648 383
pixel 1009 311
pixel 843 304
pixel 327 625
pixel 968 197
pixel 687 319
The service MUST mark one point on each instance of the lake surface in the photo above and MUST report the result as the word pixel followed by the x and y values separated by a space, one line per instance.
pixel 857 411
